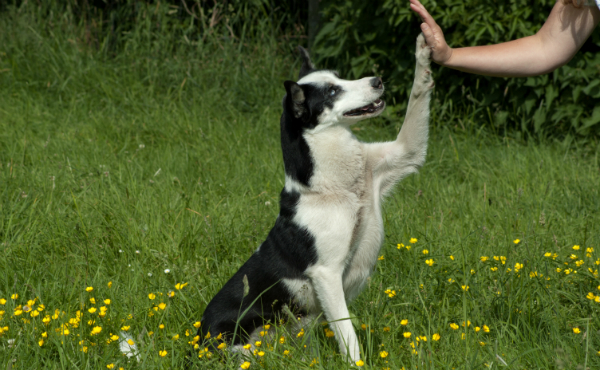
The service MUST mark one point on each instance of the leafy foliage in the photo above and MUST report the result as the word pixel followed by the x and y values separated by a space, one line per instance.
pixel 377 37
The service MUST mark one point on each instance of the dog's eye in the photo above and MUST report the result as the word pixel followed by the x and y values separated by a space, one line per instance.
pixel 332 91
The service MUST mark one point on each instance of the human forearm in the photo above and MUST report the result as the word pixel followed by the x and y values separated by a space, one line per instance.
pixel 564 32
pixel 518 58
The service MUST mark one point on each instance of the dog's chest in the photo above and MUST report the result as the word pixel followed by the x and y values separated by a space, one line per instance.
pixel 341 209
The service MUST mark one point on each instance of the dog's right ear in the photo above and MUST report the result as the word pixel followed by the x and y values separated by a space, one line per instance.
pixel 295 95
pixel 307 66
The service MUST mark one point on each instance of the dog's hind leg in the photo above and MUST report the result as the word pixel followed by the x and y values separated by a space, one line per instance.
pixel 394 160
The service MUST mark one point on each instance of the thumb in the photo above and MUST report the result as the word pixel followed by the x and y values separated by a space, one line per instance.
pixel 429 35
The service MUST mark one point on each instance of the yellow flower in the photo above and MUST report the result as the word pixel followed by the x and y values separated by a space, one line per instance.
pixel 575 247
pixel 483 258
pixel 247 346
pixel 89 289
pixel 258 343
pixel 93 300
pixel 125 328
pixel 110 366
pixel 408 247
pixel 400 246
pixel 300 334
pixel 360 363
pixel 435 337
pixel 407 334
pixel 486 328
pixel 430 262
pixel 404 322
pixel 41 342
pixel 425 251
pixel 34 313
pixel 573 257
pixel 151 295
pixel 452 257
pixel 477 329
pixel 386 328
pixel 162 326
pixel 14 296
pixel 383 354
pixel 245 365
pixel 576 330
pixel 518 266
pixel 197 324
pixel 130 342
pixel 380 258
pixel 176 336
pixel 162 353
pixel 454 326
pixel 494 268
pixel 2 301
pixel 465 287
pixel 222 346
pixel 180 286
pixel 450 280
pixel 109 284
pixel 45 334
pixel 18 312
pixel 92 310
pixel 162 305
pixel 107 302
pixel 482 344
pixel 171 294
pixel 96 330
pixel 286 352
pixel 114 337
pixel 413 240
pixel 282 339
pixel 516 241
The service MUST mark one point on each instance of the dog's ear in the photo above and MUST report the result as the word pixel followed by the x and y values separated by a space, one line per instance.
pixel 295 95
pixel 307 65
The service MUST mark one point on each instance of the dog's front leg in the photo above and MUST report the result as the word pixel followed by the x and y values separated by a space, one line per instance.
pixel 394 160
pixel 329 289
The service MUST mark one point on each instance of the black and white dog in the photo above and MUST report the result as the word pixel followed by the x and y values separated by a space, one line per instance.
pixel 327 237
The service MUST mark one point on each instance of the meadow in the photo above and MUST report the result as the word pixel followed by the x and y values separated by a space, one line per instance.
pixel 132 186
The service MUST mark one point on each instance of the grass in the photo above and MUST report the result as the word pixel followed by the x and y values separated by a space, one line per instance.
pixel 134 173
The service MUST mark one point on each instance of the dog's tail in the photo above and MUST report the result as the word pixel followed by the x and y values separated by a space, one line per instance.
pixel 128 346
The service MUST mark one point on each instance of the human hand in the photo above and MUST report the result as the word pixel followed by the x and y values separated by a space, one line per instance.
pixel 434 36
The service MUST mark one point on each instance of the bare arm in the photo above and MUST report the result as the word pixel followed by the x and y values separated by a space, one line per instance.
pixel 563 34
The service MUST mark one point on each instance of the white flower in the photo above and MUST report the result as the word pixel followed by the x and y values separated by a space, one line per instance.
pixel 137 251
pixel 150 274
pixel 120 251
pixel 167 271
pixel 142 146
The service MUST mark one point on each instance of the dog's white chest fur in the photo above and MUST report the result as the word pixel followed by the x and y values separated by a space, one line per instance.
pixel 341 209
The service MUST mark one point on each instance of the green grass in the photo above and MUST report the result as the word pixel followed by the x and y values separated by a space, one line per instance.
pixel 113 170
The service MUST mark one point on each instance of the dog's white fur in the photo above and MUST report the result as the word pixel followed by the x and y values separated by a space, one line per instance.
pixel 342 206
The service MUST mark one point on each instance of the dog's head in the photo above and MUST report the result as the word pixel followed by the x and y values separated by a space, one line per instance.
pixel 321 98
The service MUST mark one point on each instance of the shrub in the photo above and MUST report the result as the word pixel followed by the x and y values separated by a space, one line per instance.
pixel 377 37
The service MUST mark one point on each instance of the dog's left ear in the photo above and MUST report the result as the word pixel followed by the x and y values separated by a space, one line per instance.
pixel 307 66
pixel 295 95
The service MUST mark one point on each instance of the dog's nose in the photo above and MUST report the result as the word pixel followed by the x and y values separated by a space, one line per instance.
pixel 376 83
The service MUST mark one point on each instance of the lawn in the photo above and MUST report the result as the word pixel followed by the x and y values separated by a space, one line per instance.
pixel 132 187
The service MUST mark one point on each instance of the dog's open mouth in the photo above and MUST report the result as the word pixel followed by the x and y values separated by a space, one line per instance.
pixel 374 107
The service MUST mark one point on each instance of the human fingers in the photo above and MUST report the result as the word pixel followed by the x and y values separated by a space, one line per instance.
pixel 418 8
pixel 434 36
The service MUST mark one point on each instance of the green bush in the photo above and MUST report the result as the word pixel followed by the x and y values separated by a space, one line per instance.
pixel 377 37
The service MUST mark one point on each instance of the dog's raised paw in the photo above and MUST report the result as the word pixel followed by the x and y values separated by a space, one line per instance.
pixel 423 52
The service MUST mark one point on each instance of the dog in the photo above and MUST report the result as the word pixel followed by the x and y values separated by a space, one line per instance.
pixel 327 236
